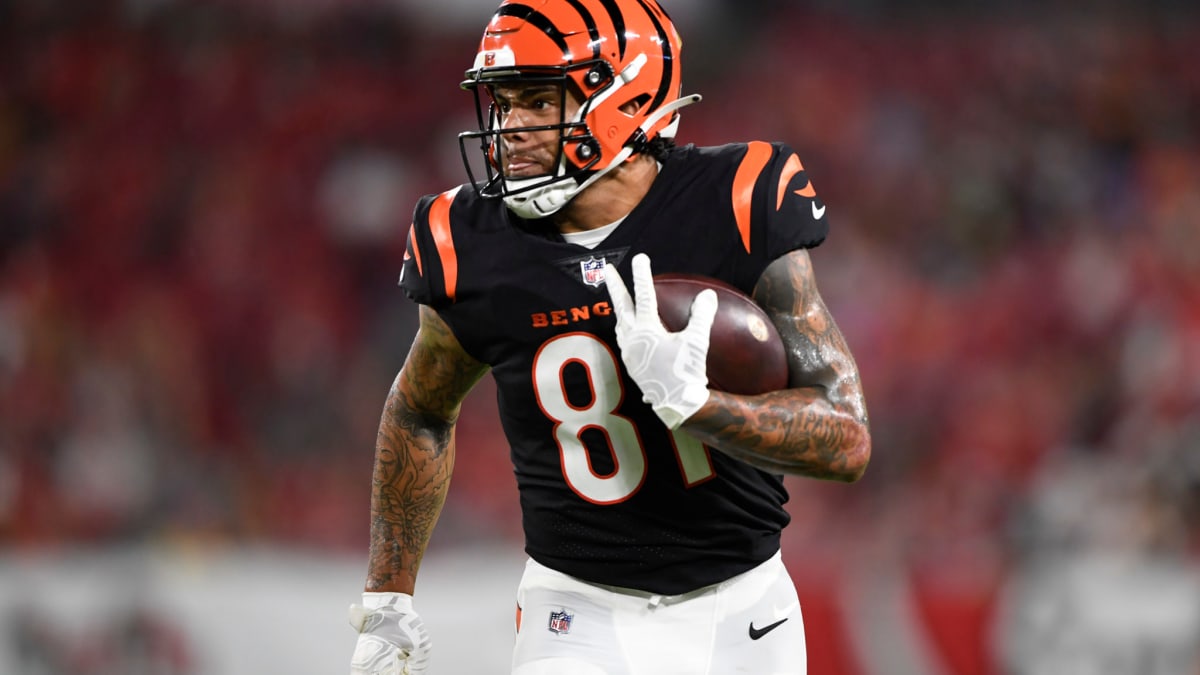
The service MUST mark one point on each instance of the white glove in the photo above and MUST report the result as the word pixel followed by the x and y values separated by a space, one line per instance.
pixel 669 367
pixel 392 638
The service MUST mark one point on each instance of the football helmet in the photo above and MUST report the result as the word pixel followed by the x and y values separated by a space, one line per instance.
pixel 620 58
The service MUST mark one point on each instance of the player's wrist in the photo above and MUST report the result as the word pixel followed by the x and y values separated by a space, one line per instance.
pixel 678 411
pixel 375 600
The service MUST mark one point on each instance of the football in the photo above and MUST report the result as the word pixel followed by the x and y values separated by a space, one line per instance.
pixel 745 353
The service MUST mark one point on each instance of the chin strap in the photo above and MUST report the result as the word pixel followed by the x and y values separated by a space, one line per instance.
pixel 548 199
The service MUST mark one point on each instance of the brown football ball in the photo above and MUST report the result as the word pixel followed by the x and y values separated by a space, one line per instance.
pixel 745 353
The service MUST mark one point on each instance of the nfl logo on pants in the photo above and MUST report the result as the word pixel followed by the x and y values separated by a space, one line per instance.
pixel 560 622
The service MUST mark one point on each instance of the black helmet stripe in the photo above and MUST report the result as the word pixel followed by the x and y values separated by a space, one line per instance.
pixel 590 22
pixel 668 59
pixel 618 20
pixel 540 21
pixel 546 25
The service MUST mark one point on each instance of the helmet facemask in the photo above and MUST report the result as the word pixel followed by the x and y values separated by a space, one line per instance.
pixel 577 157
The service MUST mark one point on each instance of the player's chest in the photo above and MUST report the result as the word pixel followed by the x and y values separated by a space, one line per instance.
pixel 520 291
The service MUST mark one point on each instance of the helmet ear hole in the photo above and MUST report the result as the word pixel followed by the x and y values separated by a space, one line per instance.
pixel 633 105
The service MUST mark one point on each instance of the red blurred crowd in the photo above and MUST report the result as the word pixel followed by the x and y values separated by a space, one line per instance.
pixel 202 211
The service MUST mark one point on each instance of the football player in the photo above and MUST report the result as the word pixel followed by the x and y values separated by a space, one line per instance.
pixel 652 505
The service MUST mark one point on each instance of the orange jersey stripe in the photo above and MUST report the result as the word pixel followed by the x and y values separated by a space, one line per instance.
pixel 790 169
pixel 439 227
pixel 757 155
pixel 416 252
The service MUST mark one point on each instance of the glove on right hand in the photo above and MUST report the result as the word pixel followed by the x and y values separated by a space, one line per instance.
pixel 670 368
pixel 392 638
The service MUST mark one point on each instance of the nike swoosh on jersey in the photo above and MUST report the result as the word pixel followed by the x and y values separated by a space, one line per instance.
pixel 756 633
pixel 817 212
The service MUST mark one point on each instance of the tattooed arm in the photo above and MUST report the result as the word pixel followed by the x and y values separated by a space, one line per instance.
pixel 818 427
pixel 414 453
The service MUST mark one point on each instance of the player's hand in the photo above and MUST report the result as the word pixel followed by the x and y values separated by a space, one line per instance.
pixel 669 367
pixel 392 639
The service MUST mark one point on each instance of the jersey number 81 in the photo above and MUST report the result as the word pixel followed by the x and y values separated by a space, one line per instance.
pixel 570 421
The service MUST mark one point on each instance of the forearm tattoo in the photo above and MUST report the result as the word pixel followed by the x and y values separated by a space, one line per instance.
pixel 414 455
pixel 818 427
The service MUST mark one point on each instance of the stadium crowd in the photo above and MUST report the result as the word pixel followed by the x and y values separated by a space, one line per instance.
pixel 203 208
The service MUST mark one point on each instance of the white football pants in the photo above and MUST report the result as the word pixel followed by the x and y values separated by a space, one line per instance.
pixel 748 624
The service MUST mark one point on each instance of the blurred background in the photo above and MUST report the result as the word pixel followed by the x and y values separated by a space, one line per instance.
pixel 203 206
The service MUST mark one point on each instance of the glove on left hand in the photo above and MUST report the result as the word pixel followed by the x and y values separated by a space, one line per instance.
pixel 392 638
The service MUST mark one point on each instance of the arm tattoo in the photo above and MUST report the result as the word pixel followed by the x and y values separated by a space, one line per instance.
pixel 414 453
pixel 818 427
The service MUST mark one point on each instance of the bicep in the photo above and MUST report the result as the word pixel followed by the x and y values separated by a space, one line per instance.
pixel 818 355
pixel 438 373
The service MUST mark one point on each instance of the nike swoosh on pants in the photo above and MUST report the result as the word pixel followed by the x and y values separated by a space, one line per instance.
pixel 756 633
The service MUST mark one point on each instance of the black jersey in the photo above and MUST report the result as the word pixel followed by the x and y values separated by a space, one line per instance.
pixel 608 493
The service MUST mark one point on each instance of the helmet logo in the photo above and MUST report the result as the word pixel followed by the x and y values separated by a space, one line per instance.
pixel 489 59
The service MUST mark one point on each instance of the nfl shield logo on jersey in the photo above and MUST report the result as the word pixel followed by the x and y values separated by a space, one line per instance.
pixel 560 622
pixel 592 271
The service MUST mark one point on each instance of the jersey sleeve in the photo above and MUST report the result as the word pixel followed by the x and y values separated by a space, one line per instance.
pixel 793 216
pixel 429 270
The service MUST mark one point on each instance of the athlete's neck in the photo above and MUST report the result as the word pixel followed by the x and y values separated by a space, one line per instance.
pixel 610 198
